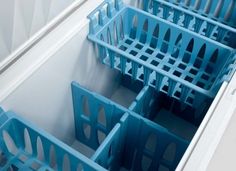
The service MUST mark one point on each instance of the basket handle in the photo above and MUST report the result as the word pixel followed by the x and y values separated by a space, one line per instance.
pixel 230 64
pixel 103 13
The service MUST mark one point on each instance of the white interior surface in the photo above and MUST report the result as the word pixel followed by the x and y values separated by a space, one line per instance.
pixel 123 96
pixel 20 20
pixel 88 152
pixel 37 87
pixel 224 155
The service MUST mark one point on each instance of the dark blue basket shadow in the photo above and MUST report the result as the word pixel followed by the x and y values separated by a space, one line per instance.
pixel 150 104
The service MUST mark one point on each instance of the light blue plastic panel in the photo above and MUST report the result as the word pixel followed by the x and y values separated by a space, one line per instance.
pixel 188 15
pixel 163 55
pixel 25 147
pixel 223 11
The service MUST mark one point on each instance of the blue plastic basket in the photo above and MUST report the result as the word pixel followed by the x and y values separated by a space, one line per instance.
pixel 156 147
pixel 25 147
pixel 166 56
pixel 220 11
pixel 196 19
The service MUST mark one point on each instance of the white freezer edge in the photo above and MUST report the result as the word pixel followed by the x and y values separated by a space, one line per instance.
pixel 218 120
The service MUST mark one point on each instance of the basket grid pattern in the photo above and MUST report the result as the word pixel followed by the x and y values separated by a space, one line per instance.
pixel 162 55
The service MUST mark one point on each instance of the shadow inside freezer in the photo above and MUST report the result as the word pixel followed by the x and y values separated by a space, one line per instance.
pixel 178 117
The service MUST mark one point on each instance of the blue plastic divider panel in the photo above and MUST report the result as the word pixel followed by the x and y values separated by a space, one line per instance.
pixel 26 147
pixel 191 15
pixel 95 116
pixel 172 59
pixel 133 142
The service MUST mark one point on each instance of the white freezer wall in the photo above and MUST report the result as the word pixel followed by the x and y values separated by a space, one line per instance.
pixel 44 97
pixel 215 147
pixel 22 19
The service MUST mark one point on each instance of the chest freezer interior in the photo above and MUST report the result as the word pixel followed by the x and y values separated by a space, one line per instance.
pixel 110 117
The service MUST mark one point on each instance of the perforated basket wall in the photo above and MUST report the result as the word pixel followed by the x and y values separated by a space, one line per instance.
pixel 94 116
pixel 220 11
pixel 161 54
pixel 26 147
pixel 213 19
